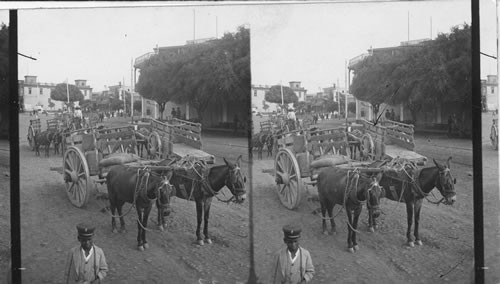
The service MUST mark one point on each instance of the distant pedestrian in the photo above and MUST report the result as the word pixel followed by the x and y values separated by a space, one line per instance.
pixel 292 264
pixel 86 263
pixel 173 113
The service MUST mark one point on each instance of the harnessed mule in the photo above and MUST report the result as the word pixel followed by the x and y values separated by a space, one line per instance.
pixel 414 187
pixel 140 187
pixel 350 190
pixel 259 140
pixel 204 185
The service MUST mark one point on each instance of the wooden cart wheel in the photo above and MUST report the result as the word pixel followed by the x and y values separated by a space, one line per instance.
pixel 288 178
pixel 367 147
pixel 494 137
pixel 154 146
pixel 31 137
pixel 76 176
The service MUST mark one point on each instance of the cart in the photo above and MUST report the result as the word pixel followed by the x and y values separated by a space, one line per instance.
pixel 84 149
pixel 34 127
pixel 389 139
pixel 296 151
pixel 178 138
pixel 494 134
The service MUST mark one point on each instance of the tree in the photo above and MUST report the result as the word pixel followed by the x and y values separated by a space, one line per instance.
pixel 59 93
pixel 332 106
pixel 217 71
pixel 274 95
pixel 420 77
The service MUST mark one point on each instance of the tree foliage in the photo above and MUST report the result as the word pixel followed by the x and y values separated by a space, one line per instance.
pixel 213 72
pixel 419 77
pixel 59 93
pixel 274 95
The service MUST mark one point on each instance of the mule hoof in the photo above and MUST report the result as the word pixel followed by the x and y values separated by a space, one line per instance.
pixel 208 241
pixel 146 246
pixel 141 248
pixel 411 244
pixel 200 242
pixel 351 250
pixel 371 229
pixel 356 247
pixel 419 243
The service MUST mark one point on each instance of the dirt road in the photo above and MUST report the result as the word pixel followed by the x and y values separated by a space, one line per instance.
pixel 447 232
pixel 48 228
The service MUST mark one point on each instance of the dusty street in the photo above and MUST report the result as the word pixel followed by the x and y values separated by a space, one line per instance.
pixel 48 230
pixel 446 231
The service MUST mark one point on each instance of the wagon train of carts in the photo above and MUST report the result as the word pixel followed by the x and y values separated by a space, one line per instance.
pixel 358 164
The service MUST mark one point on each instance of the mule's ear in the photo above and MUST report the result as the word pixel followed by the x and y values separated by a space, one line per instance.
pixel 379 176
pixel 437 164
pixel 225 161
pixel 239 160
pixel 448 162
pixel 169 174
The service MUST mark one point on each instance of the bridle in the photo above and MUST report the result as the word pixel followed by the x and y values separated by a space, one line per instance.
pixel 235 181
pixel 445 182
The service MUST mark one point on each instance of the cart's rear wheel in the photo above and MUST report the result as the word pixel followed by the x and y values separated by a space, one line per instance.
pixel 76 176
pixel 289 182
pixel 367 147
pixel 494 137
pixel 31 137
pixel 154 146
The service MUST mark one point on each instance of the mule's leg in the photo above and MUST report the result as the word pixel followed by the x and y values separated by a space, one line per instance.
pixel 208 203
pixel 349 229
pixel 323 214
pixel 140 218
pixel 145 225
pixel 199 213
pixel 161 218
pixel 418 206
pixel 332 221
pixel 122 219
pixel 357 212
pixel 112 207
pixel 409 215
pixel 372 223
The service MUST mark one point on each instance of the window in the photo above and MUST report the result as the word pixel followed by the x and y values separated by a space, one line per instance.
pixel 492 90
pixel 41 91
pixel 254 93
pixel 29 91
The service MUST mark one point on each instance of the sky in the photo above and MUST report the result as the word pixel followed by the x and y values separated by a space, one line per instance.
pixel 302 41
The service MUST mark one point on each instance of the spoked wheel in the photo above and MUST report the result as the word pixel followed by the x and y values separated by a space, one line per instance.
pixel 76 176
pixel 367 147
pixel 31 137
pixel 288 180
pixel 154 146
pixel 494 137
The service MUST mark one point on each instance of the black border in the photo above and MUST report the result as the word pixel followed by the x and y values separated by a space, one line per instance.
pixel 15 216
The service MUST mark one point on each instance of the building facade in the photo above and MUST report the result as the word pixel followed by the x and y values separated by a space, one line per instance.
pixel 33 94
pixel 489 93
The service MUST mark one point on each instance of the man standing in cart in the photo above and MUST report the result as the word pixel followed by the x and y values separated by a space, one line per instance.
pixel 292 264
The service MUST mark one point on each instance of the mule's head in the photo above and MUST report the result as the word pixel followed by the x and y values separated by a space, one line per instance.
pixel 235 180
pixel 446 182
pixel 165 191
pixel 373 194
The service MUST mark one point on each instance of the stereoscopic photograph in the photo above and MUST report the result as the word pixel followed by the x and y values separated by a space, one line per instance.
pixel 362 142
pixel 251 142
pixel 133 133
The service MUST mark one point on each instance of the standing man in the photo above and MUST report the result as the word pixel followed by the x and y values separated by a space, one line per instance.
pixel 173 113
pixel 292 264
pixel 86 262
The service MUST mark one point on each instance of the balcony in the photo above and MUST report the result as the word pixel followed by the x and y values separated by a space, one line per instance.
pixel 357 59
pixel 139 60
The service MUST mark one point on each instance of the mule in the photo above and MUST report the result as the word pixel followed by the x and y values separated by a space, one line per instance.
pixel 258 141
pixel 412 191
pixel 44 138
pixel 205 185
pixel 349 189
pixel 140 188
